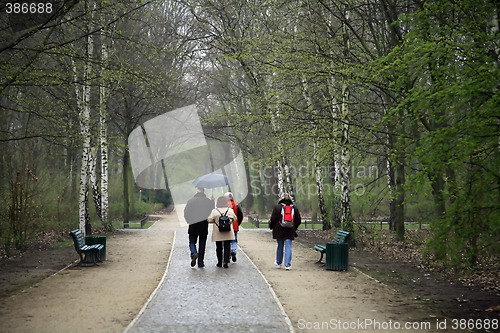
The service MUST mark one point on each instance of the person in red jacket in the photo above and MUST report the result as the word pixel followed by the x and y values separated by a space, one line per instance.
pixel 284 232
pixel 236 224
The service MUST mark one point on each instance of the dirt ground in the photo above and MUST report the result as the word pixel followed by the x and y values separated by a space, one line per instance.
pixel 38 295
pixel 447 296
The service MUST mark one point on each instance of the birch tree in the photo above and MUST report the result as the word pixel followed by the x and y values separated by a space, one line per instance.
pixel 83 95
pixel 103 130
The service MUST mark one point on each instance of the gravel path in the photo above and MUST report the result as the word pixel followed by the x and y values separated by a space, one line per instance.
pixel 211 299
pixel 147 285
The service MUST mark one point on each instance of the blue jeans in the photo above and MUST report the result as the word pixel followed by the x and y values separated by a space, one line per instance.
pixel 201 248
pixel 286 245
pixel 234 243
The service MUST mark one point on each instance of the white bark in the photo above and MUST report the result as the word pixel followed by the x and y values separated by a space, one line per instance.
pixel 96 195
pixel 337 163
pixel 83 102
pixel 345 218
pixel 316 159
pixel 345 199
pixel 103 139
pixel 280 161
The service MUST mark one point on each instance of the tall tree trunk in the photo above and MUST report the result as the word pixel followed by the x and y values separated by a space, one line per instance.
pixel 281 162
pixel 83 103
pixel 316 159
pixel 336 161
pixel 336 114
pixel 320 189
pixel 346 217
pixel 399 218
pixel 336 167
pixel 438 183
pixel 336 211
pixel 345 199
pixel 96 194
pixel 103 139
pixel 126 199
pixel 391 178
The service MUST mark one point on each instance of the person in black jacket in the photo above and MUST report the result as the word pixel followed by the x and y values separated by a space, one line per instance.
pixel 195 213
pixel 283 235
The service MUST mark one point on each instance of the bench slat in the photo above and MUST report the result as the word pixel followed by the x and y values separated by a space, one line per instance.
pixel 341 237
pixel 320 248
pixel 81 247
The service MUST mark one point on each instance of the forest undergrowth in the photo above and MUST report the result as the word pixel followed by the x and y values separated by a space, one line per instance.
pixel 383 243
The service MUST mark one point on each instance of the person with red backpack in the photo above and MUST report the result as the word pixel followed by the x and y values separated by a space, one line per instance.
pixel 236 224
pixel 284 222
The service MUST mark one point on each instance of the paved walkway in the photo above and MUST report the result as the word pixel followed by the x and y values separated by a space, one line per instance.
pixel 236 299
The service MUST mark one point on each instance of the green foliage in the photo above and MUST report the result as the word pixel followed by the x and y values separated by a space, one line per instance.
pixel 423 96
pixel 469 229
pixel 445 71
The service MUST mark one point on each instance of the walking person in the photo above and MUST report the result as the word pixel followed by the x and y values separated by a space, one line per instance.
pixel 284 221
pixel 236 224
pixel 195 213
pixel 222 239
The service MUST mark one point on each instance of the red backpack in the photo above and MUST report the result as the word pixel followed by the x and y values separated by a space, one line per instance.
pixel 287 214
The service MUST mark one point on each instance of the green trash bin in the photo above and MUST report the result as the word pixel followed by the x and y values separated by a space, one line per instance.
pixel 337 256
pixel 92 240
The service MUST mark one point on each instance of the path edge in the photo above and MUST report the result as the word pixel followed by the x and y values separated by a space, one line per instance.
pixel 276 299
pixel 158 287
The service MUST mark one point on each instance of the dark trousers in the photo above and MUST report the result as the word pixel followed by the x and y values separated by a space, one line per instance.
pixel 223 249
pixel 201 247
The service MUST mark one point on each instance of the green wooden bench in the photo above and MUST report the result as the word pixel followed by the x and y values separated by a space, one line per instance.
pixel 340 237
pixel 83 250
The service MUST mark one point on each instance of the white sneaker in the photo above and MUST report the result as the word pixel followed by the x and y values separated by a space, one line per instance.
pixel 288 268
pixel 277 265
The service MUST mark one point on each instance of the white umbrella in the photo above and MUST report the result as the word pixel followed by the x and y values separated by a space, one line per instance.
pixel 211 180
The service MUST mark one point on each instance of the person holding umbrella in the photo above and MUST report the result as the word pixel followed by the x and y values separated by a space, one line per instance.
pixel 222 239
pixel 195 213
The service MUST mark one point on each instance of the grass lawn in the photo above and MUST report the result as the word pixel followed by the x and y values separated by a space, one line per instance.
pixel 133 224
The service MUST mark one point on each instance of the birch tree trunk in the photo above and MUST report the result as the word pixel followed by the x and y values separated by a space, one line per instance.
pixel 392 203
pixel 84 118
pixel 336 163
pixel 346 217
pixel 103 138
pixel 96 194
pixel 336 124
pixel 317 167
pixel 391 180
pixel 84 171
pixel 320 188
pixel 345 199
pixel 281 160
